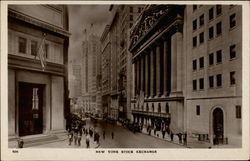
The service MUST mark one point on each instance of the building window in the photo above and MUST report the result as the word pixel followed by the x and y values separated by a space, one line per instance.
pixel 232 78
pixel 159 108
pixel 33 48
pixel 198 110
pixel 194 7
pixel 153 108
pixel 211 81
pixel 201 20
pixel 130 25
pixel 139 10
pixel 131 17
pixel 194 41
pixel 22 45
pixel 211 13
pixel 218 9
pixel 201 37
pixel 202 62
pixel 35 99
pixel 232 20
pixel 130 9
pixel 232 51
pixel 46 50
pixel 194 24
pixel 201 83
pixel 211 32
pixel 238 111
pixel 219 80
pixel 211 59
pixel 147 108
pixel 218 28
pixel 167 108
pixel 219 56
pixel 194 64
pixel 194 85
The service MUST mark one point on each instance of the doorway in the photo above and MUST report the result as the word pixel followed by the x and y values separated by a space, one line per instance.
pixel 218 126
pixel 30 108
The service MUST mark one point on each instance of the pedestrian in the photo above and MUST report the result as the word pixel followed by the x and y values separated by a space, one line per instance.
pixel 97 138
pixel 75 135
pixel 149 130
pixel 163 131
pixel 87 141
pixel 155 131
pixel 103 134
pixel 180 136
pixel 70 136
pixel 185 138
pixel 79 138
pixel 171 135
pixel 112 135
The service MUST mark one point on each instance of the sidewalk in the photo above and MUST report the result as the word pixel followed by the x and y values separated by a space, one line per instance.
pixel 192 142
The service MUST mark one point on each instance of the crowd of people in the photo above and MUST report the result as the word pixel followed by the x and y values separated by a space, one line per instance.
pixel 76 132
pixel 182 137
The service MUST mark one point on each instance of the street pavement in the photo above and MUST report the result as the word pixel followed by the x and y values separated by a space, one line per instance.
pixel 123 138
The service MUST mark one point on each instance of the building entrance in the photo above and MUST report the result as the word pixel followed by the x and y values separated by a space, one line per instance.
pixel 218 126
pixel 30 109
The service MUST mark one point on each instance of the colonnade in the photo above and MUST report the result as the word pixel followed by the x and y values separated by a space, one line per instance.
pixel 153 70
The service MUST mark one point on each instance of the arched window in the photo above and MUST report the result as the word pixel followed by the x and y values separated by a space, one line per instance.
pixel 159 107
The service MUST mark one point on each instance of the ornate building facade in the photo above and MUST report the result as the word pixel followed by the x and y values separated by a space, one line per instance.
pixel 157 57
pixel 187 70
pixel 38 97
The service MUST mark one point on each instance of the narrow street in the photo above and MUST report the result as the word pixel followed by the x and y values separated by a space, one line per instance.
pixel 124 138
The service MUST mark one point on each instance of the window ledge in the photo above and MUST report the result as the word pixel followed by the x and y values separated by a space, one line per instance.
pixel 218 35
pixel 231 59
pixel 232 28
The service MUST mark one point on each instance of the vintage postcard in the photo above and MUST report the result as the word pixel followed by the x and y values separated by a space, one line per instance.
pixel 124 80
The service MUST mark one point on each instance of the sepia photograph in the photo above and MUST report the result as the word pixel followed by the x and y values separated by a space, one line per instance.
pixel 135 77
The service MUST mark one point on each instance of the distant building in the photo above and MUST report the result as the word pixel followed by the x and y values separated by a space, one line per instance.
pixel 123 18
pixel 36 94
pixel 91 69
pixel 106 71
pixel 76 90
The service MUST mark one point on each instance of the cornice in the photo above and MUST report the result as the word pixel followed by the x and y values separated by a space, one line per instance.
pixel 36 22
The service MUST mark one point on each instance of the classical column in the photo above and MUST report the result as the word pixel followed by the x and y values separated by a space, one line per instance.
pixel 142 72
pixel 176 64
pixel 152 72
pixel 146 75
pixel 158 70
pixel 137 76
pixel 165 67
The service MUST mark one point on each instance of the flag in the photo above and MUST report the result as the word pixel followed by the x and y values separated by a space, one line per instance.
pixel 40 53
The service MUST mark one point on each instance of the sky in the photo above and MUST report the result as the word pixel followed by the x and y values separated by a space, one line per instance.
pixel 81 17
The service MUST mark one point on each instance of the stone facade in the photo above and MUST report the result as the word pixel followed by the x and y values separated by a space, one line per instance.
pixel 213 58
pixel 35 95
pixel 187 70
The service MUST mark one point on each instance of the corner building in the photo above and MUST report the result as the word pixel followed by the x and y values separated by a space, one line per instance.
pixel 214 73
pixel 37 99
pixel 158 64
